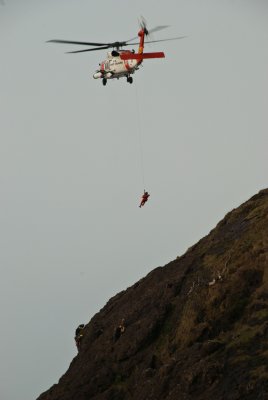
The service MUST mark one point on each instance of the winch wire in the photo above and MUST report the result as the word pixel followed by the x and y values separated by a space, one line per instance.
pixel 140 135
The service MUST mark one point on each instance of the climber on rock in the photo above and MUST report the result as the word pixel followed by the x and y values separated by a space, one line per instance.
pixel 79 333
pixel 119 330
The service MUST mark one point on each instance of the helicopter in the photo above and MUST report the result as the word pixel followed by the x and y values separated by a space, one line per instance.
pixel 121 62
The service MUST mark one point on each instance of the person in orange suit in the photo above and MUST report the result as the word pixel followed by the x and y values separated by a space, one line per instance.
pixel 144 198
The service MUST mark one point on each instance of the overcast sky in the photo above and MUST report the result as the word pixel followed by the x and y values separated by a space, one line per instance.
pixel 71 172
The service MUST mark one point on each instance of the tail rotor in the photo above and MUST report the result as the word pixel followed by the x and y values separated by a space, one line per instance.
pixel 143 25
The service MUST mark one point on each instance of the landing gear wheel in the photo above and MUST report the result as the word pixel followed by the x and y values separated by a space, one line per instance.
pixel 130 79
pixel 104 81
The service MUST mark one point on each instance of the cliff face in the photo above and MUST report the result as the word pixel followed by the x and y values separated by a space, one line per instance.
pixel 195 329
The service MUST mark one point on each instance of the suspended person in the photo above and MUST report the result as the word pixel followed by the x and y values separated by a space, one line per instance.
pixel 144 198
pixel 79 333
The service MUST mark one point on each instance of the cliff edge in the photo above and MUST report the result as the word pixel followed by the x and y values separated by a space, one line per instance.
pixel 195 329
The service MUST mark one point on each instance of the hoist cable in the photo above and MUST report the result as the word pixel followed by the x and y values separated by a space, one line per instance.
pixel 140 136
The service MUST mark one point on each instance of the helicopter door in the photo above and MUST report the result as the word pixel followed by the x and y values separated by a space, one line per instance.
pixel 112 65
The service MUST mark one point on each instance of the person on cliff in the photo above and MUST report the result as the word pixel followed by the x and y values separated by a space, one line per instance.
pixel 119 330
pixel 144 198
pixel 79 333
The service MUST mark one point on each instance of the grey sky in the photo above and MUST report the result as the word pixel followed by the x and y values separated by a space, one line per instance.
pixel 72 234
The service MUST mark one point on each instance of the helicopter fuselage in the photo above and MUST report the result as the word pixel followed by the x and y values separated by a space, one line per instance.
pixel 115 67
pixel 122 63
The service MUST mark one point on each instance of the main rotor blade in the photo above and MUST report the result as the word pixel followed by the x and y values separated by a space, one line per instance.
pixel 82 51
pixel 80 43
pixel 158 28
pixel 166 40
pixel 154 41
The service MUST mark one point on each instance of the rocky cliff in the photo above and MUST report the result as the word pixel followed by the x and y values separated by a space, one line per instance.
pixel 195 329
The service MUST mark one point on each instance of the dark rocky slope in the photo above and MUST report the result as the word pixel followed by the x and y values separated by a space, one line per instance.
pixel 195 329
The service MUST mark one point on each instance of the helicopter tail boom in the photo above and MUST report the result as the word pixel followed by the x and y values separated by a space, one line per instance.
pixel 140 57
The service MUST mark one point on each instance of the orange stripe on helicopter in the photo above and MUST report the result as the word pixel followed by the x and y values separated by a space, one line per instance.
pixel 140 57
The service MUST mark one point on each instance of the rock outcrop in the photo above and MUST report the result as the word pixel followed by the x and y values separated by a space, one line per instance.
pixel 195 329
